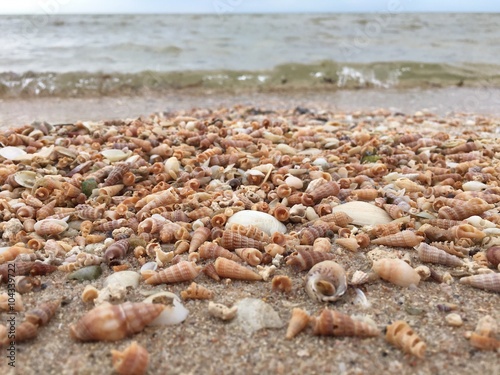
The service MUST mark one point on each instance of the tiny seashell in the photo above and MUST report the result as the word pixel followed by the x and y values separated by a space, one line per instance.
pixel 232 240
pixel 220 311
pixel 200 235
pixel 302 260
pixel 114 322
pixel 210 250
pixel 50 227
pixel 24 332
pixel 297 323
pixel 10 253
pixel 406 238
pixel 322 244
pixel 115 155
pixel 341 218
pixel 182 271
pixel 232 270
pixel 493 255
pixel 396 271
pixel 363 213
pixel 5 305
pixel 174 311
pixel 117 250
pixel 484 342
pixel 474 186
pixel 479 222
pixel 489 281
pixel 25 179
pixel 334 323
pixel 402 336
pixel 42 313
pixel 210 271
pixel 281 283
pixel 359 278
pixel 265 222
pixel 431 254
pixel 326 281
pixel 349 243
pixel 196 291
pixel 12 153
pixel 250 255
pixel 25 284
pixel 133 360
pixel 89 294
pixel 123 278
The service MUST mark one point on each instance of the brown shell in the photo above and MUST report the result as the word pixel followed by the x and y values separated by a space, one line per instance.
pixel 114 322
pixel 431 254
pixel 110 225
pixel 196 291
pixel 334 323
pixel 199 236
pixel 46 210
pixel 250 231
pixel 210 250
pixel 341 219
pixel 133 360
pixel 12 252
pixel 406 238
pixel 182 271
pixel 250 255
pixel 86 212
pixel 24 332
pixel 232 240
pixel 493 255
pixel 322 244
pixel 298 322
pixel 385 229
pixel 489 281
pixel 302 260
pixel 393 210
pixel 42 313
pixel 402 336
pixel 475 206
pixel 210 271
pixel 117 250
pixel 25 284
pixel 326 281
pixel 281 283
pixel 324 190
pixel 484 342
pixel 318 229
pixel 229 269
pixel 116 174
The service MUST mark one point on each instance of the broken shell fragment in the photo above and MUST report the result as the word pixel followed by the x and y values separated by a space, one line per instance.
pixel 174 311
pixel 326 281
pixel 196 291
pixel 334 323
pixel 402 336
pixel 220 311
pixel 298 322
pixel 133 360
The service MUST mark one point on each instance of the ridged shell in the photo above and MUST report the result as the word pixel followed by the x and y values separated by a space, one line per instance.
pixel 50 227
pixel 318 229
pixel 489 281
pixel 464 211
pixel 402 336
pixel 302 260
pixel 326 281
pixel 232 240
pixel 342 219
pixel 42 313
pixel 396 271
pixel 363 213
pixel 10 253
pixel 232 270
pixel 250 255
pixel 334 323
pixel 298 322
pixel 196 291
pixel 350 243
pixel 116 174
pixel 265 222
pixel 133 360
pixel 406 238
pixel 199 236
pixel 431 254
pixel 182 271
pixel 117 250
pixel 114 322
pixel 252 231
pixel 324 190
pixel 210 250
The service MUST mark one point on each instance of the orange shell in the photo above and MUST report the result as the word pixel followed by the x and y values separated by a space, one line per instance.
pixel 396 271
pixel 334 323
pixel 42 313
pixel 199 236
pixel 182 271
pixel 406 238
pixel 250 255
pixel 133 360
pixel 402 336
pixel 232 270
pixel 195 291
pixel 232 240
pixel 210 250
pixel 298 322
pixel 302 260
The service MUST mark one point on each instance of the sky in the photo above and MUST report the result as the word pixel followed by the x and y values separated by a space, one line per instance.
pixel 243 6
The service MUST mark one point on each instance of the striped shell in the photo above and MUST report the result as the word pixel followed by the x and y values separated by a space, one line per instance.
pixel 431 254
pixel 334 323
pixel 195 291
pixel 326 281
pixel 402 336
pixel 50 227
pixel 489 281
pixel 133 360
pixel 232 240
pixel 298 322
pixel 406 238
pixel 182 271
pixel 42 313
pixel 232 270
pixel 302 260
pixel 210 250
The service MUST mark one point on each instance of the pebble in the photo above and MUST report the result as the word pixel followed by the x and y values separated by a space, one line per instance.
pixel 254 314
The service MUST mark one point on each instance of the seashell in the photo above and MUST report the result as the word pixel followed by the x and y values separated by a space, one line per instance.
pixel 210 250
pixel 124 278
pixel 406 238
pixel 12 153
pixel 340 218
pixel 396 271
pixel 195 291
pixel 173 313
pixel 322 245
pixel 42 313
pixel 250 255
pixel 232 240
pixel 232 270
pixel 182 271
pixel 467 231
pixel 281 283
pixel 24 332
pixel 334 323
pixel 199 236
pixel 86 212
pixel 221 311
pixel 89 294
pixel 322 190
pixel 117 250
pixel 265 222
pixel 474 186
pixel 297 323
pixel 253 232
pixel 116 174
pixel 472 207
pixel 274 249
pixel 25 179
pixel 493 255
pixel 402 336
pixel 210 271
pixel 6 300
pixel 86 273
pixel 318 229
pixel 326 281
pixel 350 243
pixel 10 253
pixel 302 260
pixel 114 322
pixel 484 342
pixel 479 222
pixel 431 254
pixel 360 277
pixel 409 185
pixel 109 191
pixel 489 281
pixel 133 360
pixel 365 194
pixel 393 210
pixel 115 155
pixel 25 284
pixel 50 227
pixel 363 213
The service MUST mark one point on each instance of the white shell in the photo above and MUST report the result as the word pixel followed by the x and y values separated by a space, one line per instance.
pixel 25 178
pixel 149 266
pixel 492 231
pixel 115 155
pixel 479 222
pixel 171 315
pixel 294 182
pixel 261 220
pixel 285 149
pixel 474 186
pixel 11 153
pixel 364 213
pixel 124 278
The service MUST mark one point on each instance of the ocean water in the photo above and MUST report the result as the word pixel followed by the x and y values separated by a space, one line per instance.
pixel 101 55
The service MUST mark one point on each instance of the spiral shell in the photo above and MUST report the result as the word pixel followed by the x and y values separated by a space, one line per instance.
pixel 114 322
pixel 117 250
pixel 493 255
pixel 334 323
pixel 323 190
pixel 50 227
pixel 11 253
pixel 431 254
pixel 326 281
pixel 302 260
pixel 116 174
pixel 232 270
pixel 402 336
pixel 396 271
pixel 475 206
pixel 467 231
pixel 406 238
pixel 322 245
pixel 210 250
pixel 182 271
pixel 199 236
pixel 133 360
pixel 42 313
pixel 489 281
pixel 297 323
pixel 350 243
pixel 195 291
pixel 232 240
pixel 250 255
pixel 4 302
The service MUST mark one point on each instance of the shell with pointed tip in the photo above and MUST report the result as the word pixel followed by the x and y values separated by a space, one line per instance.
pixel 489 281
pixel 323 190
pixel 233 240
pixel 340 218
pixel 265 222
pixel 334 323
pixel 50 227
pixel 326 281
pixel 232 270
pixel 475 206
pixel 402 336
pixel 251 231
pixel 42 313
pixel 116 174
pixel 298 322
pixel 318 229
pixel 396 271
pixel 363 213
pixel 117 250
pixel 350 243
pixel 114 322
pixel 210 250
pixel 196 291
pixel 302 260
pixel 431 254
pixel 182 271
pixel 199 236
pixel 406 238
pixel 133 360
pixel 467 231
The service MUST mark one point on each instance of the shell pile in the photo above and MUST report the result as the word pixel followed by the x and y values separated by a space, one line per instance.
pixel 237 194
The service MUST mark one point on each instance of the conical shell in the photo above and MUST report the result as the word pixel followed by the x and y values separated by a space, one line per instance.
pixel 114 322
pixel 402 336
pixel 232 270
pixel 431 254
pixel 210 250
pixel 393 210
pixel 302 260
pixel 406 238
pixel 298 322
pixel 322 245
pixel 250 231
pixel 334 323
pixel 363 213
pixel 319 229
pixel 42 314
pixel 396 271
pixel 232 240
pixel 25 331
pixel 489 281
pixel 350 243
pixel 199 236
pixel 50 227
pixel 342 219
pixel 324 190
pixel 464 211
pixel 182 271
pixel 195 291
pixel 133 360
pixel 326 281
pixel 116 174
pixel 117 250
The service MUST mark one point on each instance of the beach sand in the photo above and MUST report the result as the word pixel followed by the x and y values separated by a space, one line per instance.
pixel 205 345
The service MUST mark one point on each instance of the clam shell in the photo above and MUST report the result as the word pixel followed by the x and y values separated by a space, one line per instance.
pixel 115 155
pixel 124 278
pixel 12 153
pixel 265 222
pixel 363 213
pixel 326 281
pixel 26 178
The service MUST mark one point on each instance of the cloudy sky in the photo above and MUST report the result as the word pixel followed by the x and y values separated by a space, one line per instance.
pixel 244 6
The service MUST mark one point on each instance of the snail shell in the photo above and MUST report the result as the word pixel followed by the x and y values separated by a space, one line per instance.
pixel 350 243
pixel 431 254
pixel 298 322
pixel 406 238
pixel 250 255
pixel 182 271
pixel 232 240
pixel 281 283
pixel 133 360
pixel 396 271
pixel 221 311
pixel 302 260
pixel 402 336
pixel 210 250
pixel 42 313
pixel 117 250
pixel 334 323
pixel 326 281
pixel 340 218
pixel 232 270
pixel 116 174
pixel 200 235
pixel 50 227
pixel 195 291
pixel 493 255
pixel 114 322
pixel 489 281
pixel 252 231
pixel 10 253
